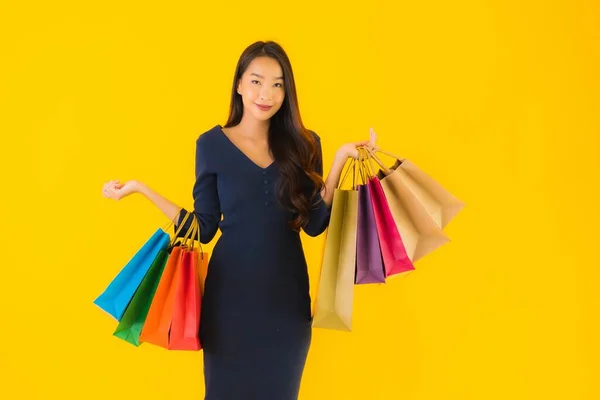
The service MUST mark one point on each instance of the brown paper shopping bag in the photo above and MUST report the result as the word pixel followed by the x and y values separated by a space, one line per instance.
pixel 440 204
pixel 420 233
pixel 335 293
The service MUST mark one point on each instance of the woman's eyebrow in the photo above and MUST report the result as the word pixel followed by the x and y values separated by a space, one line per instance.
pixel 260 76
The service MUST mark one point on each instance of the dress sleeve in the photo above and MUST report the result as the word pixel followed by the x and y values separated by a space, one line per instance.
pixel 206 199
pixel 318 217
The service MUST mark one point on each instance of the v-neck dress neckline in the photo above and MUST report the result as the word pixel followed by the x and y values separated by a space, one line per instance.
pixel 220 128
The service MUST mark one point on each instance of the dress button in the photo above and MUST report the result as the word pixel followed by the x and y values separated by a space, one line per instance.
pixel 266 192
pixel 264 172
pixel 266 181
pixel 266 203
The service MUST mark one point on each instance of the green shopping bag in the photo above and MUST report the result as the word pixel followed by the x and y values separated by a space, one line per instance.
pixel 132 321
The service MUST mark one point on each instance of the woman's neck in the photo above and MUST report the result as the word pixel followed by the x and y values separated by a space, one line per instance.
pixel 253 128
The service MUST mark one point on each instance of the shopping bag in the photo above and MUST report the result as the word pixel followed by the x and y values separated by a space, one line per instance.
pixel 420 234
pixel 395 257
pixel 335 291
pixel 130 326
pixel 369 261
pixel 131 323
pixel 160 314
pixel 117 295
pixel 185 324
pixel 440 204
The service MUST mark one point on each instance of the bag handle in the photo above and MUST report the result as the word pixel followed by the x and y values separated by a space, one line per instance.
pixel 385 169
pixel 172 241
pixel 368 161
pixel 197 226
pixel 189 234
pixel 373 157
pixel 172 222
pixel 363 168
pixel 352 165
pixel 387 153
pixel 364 172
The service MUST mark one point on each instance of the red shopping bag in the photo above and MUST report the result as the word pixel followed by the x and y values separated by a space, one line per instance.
pixel 185 324
pixel 394 254
pixel 393 251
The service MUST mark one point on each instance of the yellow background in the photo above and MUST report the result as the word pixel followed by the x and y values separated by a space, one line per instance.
pixel 497 100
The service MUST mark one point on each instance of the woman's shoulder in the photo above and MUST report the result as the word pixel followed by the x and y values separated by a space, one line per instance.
pixel 209 137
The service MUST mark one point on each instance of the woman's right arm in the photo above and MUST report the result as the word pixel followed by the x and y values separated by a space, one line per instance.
pixel 206 200
pixel 170 209
pixel 117 191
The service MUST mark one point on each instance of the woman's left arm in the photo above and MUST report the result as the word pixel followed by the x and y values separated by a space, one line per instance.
pixel 347 150
pixel 319 216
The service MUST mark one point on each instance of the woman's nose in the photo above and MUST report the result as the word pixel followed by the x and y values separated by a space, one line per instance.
pixel 265 94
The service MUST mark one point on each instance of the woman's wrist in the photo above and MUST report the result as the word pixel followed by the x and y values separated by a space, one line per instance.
pixel 140 188
pixel 342 154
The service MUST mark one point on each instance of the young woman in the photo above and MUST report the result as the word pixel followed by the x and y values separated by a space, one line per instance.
pixel 258 180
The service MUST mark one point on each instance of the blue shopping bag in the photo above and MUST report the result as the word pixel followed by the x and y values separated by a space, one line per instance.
pixel 117 295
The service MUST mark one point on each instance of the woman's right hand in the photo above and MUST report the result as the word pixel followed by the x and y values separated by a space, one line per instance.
pixel 116 190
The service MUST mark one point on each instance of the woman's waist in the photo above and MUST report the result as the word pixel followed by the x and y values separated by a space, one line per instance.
pixel 265 232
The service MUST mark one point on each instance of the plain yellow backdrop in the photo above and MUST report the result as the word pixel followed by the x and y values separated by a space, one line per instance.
pixel 497 100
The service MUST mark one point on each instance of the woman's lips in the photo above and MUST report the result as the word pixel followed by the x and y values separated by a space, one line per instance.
pixel 263 108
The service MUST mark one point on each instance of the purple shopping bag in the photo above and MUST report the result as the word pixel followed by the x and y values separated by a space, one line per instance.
pixel 369 261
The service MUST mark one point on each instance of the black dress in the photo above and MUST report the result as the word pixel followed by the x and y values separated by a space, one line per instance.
pixel 256 317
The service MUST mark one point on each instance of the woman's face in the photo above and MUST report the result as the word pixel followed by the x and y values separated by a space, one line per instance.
pixel 262 85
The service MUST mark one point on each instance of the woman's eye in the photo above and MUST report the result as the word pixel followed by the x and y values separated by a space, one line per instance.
pixel 277 84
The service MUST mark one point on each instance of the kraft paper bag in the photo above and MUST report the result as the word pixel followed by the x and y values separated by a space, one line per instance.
pixel 335 293
pixel 420 233
pixel 440 204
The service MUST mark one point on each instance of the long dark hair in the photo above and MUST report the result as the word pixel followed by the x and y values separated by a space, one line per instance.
pixel 293 146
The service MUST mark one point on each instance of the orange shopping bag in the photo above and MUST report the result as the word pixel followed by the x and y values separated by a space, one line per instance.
pixel 158 322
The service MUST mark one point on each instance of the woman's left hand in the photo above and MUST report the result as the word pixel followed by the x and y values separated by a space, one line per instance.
pixel 348 150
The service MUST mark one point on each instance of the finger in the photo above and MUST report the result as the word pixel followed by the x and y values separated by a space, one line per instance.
pixel 373 134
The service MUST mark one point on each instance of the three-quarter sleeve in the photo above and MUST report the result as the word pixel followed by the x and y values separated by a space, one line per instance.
pixel 206 199
pixel 320 212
